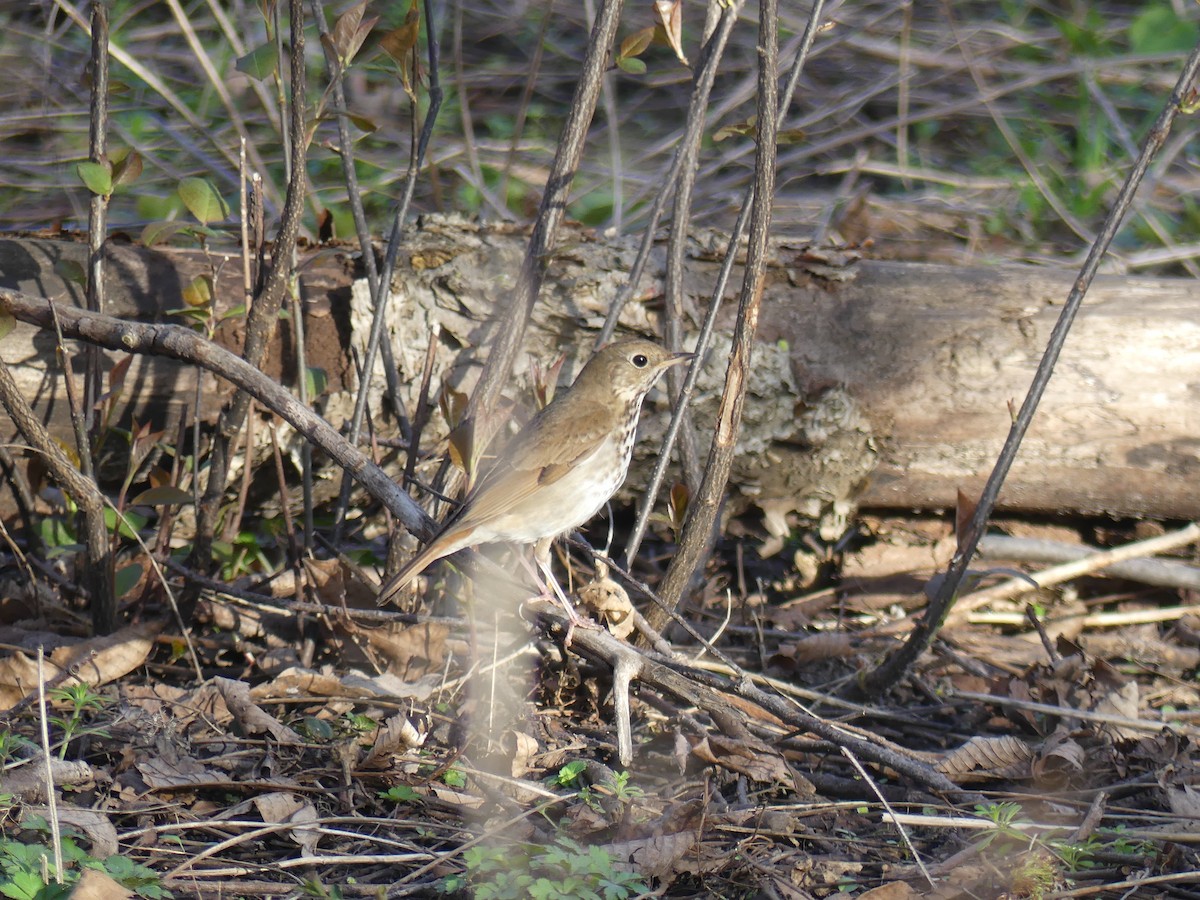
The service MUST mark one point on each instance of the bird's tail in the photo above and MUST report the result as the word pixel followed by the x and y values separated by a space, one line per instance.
pixel 389 590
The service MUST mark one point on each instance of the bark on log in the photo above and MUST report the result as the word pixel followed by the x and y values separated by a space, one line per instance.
pixel 881 384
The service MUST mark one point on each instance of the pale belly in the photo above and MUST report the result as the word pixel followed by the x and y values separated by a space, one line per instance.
pixel 556 508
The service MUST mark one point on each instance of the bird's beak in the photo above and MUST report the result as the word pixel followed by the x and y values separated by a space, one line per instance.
pixel 679 358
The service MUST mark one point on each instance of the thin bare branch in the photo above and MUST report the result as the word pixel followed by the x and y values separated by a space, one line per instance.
pixel 498 369
pixel 704 507
pixel 97 574
pixel 263 316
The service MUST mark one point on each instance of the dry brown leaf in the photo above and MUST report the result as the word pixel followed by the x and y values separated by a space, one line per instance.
pixel 154 699
pixel 962 881
pixel 284 807
pixel 249 623
pixel 1060 759
pixel 95 825
pixel 1079 681
pixel 411 651
pixel 395 737
pixel 669 14
pixel 392 686
pixel 757 762
pixel 1018 689
pixel 249 716
pixel 609 603
pixel 525 748
pixel 825 873
pixel 818 648
pixel 204 702
pixel 93 884
pixel 276 806
pixel 1185 803
pixel 401 43
pixel 657 855
pixel 300 682
pixel 964 511
pixel 328 576
pixel 582 820
pixel 893 890
pixel 161 774
pixel 103 659
pixel 1118 696
pixel 984 758
pixel 19 678
pixel 461 799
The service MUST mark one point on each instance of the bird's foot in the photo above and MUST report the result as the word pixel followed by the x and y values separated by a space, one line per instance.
pixel 552 591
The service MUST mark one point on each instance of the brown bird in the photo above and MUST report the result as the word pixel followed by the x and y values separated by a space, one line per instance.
pixel 561 468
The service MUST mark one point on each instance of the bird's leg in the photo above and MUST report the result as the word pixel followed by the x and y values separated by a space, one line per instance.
pixel 550 587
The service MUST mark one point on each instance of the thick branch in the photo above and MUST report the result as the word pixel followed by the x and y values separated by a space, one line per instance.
pixel 177 342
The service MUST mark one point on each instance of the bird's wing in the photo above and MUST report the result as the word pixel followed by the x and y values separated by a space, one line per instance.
pixel 542 454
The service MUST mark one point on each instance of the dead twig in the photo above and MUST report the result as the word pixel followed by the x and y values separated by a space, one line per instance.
pixel 381 288
pixel 1158 572
pixel 97 208
pixel 98 572
pixel 718 292
pixel 683 160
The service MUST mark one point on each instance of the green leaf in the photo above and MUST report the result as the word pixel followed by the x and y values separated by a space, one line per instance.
pixel 71 270
pixel 23 886
pixel 636 43
pixel 7 323
pixel 317 729
pixel 362 123
pixel 98 177
pixel 126 526
pixel 56 534
pixel 1158 29
pixel 569 772
pixel 160 231
pixel 164 495
pixel 739 128
pixel 400 793
pixel 199 293
pixel 127 578
pixel 631 66
pixel 260 63
pixel 316 381
pixel 202 200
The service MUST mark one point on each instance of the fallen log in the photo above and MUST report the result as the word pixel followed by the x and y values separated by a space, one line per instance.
pixel 876 383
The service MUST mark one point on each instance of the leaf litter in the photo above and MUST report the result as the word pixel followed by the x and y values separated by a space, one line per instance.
pixel 380 765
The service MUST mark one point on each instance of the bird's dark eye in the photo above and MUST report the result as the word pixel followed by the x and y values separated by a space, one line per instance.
pixel 641 361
